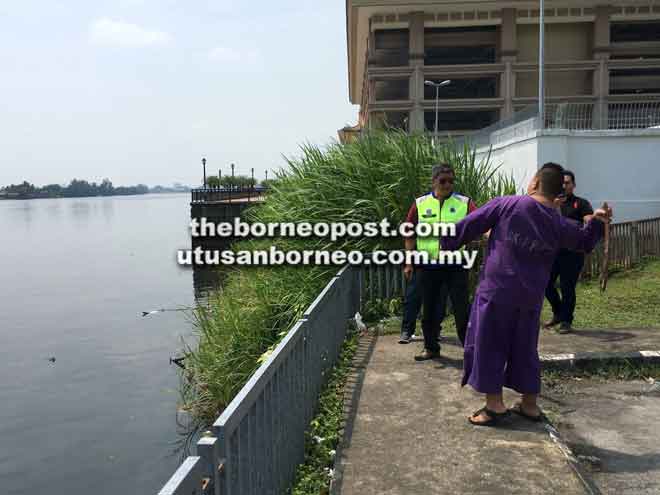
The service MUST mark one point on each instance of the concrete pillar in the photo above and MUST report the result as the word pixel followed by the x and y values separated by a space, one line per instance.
pixel 508 55
pixel 371 46
pixel 601 77
pixel 416 62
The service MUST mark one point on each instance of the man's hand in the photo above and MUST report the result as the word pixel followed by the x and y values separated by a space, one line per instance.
pixel 604 214
pixel 407 272
pixel 560 200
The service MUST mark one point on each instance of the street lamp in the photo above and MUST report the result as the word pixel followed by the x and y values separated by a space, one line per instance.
pixel 437 87
pixel 204 165
pixel 231 184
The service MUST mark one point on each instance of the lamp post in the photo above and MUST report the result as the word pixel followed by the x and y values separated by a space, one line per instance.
pixel 219 178
pixel 437 87
pixel 231 184
pixel 204 166
pixel 541 62
pixel 251 184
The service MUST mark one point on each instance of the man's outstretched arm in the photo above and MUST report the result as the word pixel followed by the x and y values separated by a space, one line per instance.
pixel 584 238
pixel 472 226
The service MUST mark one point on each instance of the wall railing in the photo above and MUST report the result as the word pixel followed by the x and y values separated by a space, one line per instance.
pixel 259 439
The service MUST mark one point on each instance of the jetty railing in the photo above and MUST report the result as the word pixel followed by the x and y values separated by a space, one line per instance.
pixel 258 441
pixel 226 194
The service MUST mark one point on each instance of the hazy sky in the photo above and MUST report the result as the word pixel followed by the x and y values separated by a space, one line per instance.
pixel 139 90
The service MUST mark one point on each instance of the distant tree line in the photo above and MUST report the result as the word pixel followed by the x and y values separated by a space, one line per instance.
pixel 76 189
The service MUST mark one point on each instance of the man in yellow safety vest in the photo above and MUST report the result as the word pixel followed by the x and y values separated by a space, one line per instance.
pixel 438 281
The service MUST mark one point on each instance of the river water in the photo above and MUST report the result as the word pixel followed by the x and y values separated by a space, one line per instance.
pixel 75 275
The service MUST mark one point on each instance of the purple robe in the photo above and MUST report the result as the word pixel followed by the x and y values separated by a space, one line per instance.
pixel 501 347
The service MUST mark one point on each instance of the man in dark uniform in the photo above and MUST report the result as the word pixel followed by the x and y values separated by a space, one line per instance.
pixel 568 264
pixel 436 282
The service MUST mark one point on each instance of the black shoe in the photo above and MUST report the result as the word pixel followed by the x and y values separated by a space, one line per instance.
pixel 551 323
pixel 405 338
pixel 565 327
pixel 426 355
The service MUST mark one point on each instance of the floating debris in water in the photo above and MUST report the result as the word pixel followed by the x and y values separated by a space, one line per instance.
pixel 178 361
pixel 163 310
pixel 51 359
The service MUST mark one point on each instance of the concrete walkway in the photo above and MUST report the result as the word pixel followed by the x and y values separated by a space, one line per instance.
pixel 410 433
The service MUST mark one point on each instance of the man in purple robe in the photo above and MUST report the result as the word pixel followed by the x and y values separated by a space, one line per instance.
pixel 526 233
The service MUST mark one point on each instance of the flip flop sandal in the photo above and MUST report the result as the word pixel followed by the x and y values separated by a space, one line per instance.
pixel 517 409
pixel 494 417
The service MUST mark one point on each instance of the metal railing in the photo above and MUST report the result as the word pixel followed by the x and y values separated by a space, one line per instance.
pixel 222 194
pixel 633 115
pixel 611 115
pixel 629 243
pixel 574 116
pixel 259 439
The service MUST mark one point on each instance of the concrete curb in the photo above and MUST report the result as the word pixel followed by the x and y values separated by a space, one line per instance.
pixel 352 393
pixel 583 476
pixel 576 360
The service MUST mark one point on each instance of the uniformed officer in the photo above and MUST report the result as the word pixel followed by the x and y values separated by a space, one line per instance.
pixel 568 264
pixel 437 282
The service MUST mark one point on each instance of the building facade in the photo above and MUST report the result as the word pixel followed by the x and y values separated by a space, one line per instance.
pixel 600 58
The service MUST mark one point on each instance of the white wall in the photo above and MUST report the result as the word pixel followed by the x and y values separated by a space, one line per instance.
pixel 621 167
pixel 517 157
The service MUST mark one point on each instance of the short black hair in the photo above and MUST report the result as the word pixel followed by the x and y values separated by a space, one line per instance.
pixel 441 168
pixel 551 179
pixel 571 175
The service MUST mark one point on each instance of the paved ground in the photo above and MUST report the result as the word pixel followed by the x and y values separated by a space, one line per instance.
pixel 580 341
pixel 411 435
pixel 615 424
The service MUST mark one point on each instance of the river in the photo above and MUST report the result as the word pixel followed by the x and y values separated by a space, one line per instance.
pixel 75 276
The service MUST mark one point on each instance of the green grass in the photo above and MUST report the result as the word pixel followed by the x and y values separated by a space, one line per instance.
pixel 603 370
pixel 632 299
pixel 323 437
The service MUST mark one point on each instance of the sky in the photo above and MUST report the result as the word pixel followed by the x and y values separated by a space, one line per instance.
pixel 138 91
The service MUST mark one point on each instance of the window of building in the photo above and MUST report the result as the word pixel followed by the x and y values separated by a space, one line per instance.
pixel 460 120
pixel 467 45
pixel 390 48
pixel 396 89
pixel 625 32
pixel 480 87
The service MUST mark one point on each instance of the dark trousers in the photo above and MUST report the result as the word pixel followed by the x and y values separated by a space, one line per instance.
pixel 567 266
pixel 436 285
pixel 412 303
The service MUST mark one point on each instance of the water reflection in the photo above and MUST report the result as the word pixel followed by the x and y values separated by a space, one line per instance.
pixel 80 212
pixel 27 212
pixel 108 210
